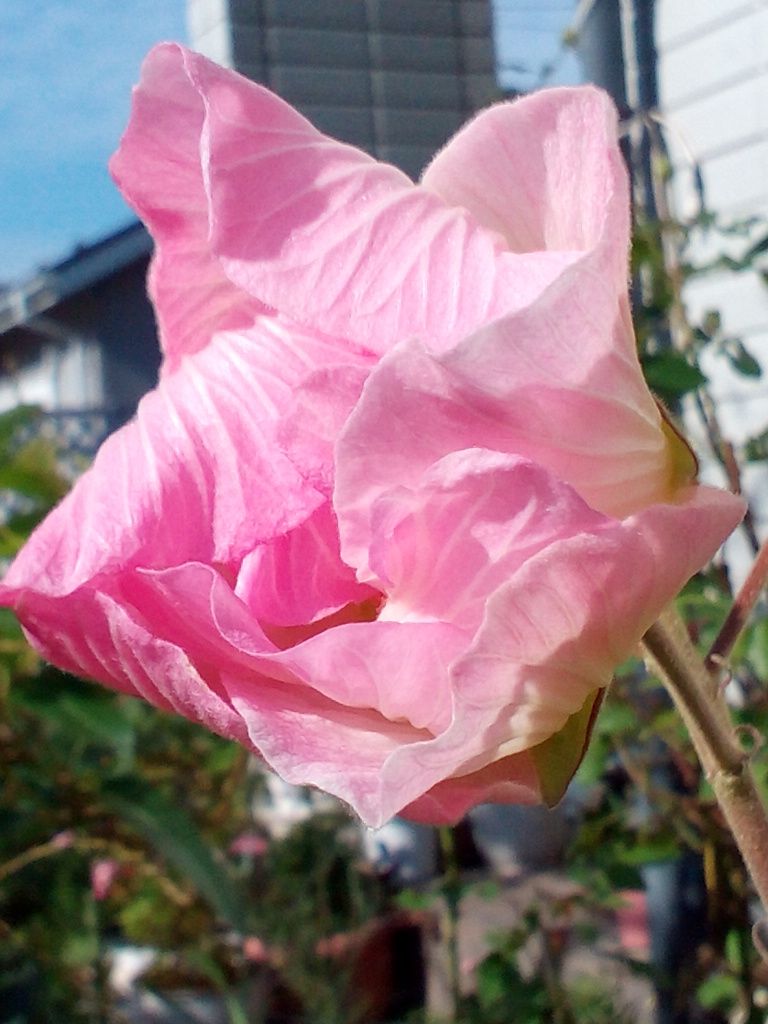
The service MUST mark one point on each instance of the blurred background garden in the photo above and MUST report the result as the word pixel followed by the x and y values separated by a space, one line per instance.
pixel 151 872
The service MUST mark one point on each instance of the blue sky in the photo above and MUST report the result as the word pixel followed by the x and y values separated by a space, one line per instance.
pixel 66 71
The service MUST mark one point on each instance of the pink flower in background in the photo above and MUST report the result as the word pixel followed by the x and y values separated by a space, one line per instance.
pixel 249 844
pixel 104 873
pixel 401 500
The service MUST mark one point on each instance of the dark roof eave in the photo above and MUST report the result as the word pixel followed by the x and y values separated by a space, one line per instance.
pixel 86 267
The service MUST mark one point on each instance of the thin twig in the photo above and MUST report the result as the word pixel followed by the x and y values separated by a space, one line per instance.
pixel 452 894
pixel 740 611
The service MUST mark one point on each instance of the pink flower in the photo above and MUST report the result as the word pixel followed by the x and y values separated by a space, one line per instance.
pixel 249 844
pixel 104 872
pixel 401 501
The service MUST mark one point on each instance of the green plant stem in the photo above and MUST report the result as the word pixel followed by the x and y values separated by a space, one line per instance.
pixel 702 706
pixel 452 894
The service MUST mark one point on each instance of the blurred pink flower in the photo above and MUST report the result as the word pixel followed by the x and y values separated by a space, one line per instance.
pixel 104 871
pixel 63 840
pixel 249 844
pixel 401 500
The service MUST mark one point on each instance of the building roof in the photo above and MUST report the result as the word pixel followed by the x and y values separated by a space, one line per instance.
pixel 87 266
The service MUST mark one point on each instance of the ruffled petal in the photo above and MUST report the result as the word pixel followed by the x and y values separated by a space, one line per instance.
pixel 576 610
pixel 552 636
pixel 516 387
pixel 99 633
pixel 441 549
pixel 198 474
pixel 299 577
pixel 339 241
pixel 545 172
pixel 158 169
pixel 511 780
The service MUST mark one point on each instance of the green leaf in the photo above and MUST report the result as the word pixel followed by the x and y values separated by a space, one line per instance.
pixel 558 757
pixel 756 648
pixel 757 249
pixel 670 373
pixel 756 448
pixel 651 852
pixel 719 992
pixel 712 323
pixel 176 837
pixel 14 420
pixel 741 360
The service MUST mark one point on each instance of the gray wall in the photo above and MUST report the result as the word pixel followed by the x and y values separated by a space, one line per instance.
pixel 395 77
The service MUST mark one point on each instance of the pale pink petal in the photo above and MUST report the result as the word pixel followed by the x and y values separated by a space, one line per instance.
pixel 574 612
pixel 553 634
pixel 321 405
pixel 336 240
pixel 299 577
pixel 545 172
pixel 100 634
pixel 158 169
pixel 310 740
pixel 197 476
pixel 602 436
pixel 440 549
pixel 511 780
pixel 397 670
pixel 342 745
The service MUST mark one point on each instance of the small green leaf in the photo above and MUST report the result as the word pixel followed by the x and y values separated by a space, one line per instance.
pixel 757 249
pixel 670 373
pixel 16 419
pixel 558 757
pixel 651 852
pixel 756 448
pixel 712 323
pixel 741 360
pixel 719 992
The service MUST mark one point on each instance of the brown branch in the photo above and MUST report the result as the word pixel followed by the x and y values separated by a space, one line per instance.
pixel 727 766
pixel 740 611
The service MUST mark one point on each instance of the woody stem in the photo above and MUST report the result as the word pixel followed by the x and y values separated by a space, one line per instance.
pixel 700 701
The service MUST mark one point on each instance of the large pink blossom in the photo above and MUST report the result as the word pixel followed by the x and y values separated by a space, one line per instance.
pixel 401 500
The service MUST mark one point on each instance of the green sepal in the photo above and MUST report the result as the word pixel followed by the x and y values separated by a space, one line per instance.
pixel 558 757
pixel 683 465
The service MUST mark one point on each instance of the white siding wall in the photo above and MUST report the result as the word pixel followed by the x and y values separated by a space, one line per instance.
pixel 713 72
pixel 66 376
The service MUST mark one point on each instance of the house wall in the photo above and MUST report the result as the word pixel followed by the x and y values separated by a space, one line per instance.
pixel 87 359
pixel 63 375
pixel 713 82
pixel 396 78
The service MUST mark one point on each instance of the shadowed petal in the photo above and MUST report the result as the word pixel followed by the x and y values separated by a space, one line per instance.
pixel 299 577
pixel 197 475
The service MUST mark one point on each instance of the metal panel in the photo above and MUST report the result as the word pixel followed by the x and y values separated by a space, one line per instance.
pixel 405 89
pixel 317 48
pixel 327 14
pixel 323 86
